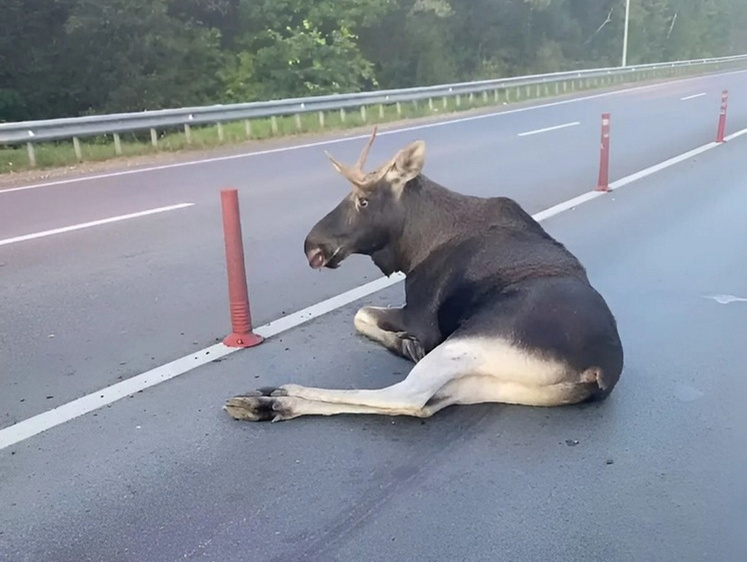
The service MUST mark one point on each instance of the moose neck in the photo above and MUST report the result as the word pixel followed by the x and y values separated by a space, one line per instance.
pixel 431 217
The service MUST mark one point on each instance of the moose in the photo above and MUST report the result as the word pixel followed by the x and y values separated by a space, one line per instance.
pixel 496 310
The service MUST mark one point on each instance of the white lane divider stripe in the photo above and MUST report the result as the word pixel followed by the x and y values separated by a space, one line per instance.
pixel 548 129
pixel 81 226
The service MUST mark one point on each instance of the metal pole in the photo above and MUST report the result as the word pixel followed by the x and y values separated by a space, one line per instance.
pixel 625 37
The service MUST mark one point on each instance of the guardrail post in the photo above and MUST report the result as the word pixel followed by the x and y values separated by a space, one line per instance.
pixel 342 114
pixel 722 118
pixel 117 145
pixel 430 104
pixel 31 153
pixel 154 138
pixel 381 111
pixel 188 133
pixel 221 133
pixel 248 128
pixel 321 119
pixel 238 292
pixel 76 148
pixel 604 160
pixel 363 113
pixel 399 108
pixel 274 124
pixel 297 118
pixel 458 100
pixel 484 96
pixel 446 102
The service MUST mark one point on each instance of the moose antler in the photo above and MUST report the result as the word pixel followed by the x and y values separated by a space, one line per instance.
pixel 355 174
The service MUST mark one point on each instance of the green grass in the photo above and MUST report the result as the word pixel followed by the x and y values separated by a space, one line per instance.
pixel 93 149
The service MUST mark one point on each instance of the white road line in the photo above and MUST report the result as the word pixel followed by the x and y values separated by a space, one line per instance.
pixel 548 129
pixel 565 205
pixel 42 422
pixel 700 95
pixel 661 166
pixel 70 410
pixel 361 137
pixel 735 135
pixel 64 229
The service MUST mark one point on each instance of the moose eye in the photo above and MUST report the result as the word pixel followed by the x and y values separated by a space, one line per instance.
pixel 362 202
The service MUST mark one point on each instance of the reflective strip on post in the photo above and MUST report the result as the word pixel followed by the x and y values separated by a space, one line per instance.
pixel 604 159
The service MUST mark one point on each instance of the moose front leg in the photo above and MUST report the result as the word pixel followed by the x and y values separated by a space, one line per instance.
pixel 434 383
pixel 387 326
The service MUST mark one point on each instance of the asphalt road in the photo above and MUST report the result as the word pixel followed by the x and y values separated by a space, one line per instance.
pixel 165 475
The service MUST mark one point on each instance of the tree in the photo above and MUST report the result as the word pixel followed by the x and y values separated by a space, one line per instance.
pixel 131 55
pixel 31 35
pixel 302 47
pixel 71 57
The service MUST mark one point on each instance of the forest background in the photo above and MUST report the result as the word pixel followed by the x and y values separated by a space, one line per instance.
pixel 62 58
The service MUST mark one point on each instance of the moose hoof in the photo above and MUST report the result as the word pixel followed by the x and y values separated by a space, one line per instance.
pixel 269 391
pixel 259 406
pixel 411 347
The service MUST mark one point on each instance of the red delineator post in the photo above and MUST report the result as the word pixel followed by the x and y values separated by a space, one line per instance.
pixel 238 292
pixel 604 161
pixel 722 117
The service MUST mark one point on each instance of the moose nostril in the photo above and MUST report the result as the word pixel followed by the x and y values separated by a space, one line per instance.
pixel 316 258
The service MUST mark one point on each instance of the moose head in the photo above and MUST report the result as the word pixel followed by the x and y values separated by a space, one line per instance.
pixel 372 216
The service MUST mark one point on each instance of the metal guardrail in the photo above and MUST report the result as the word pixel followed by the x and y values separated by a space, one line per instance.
pixel 29 132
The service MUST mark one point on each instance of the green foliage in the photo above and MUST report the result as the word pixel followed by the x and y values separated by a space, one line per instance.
pixel 305 61
pixel 72 57
pixel 132 55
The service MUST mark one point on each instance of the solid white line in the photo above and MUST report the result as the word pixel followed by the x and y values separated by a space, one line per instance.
pixel 700 95
pixel 547 129
pixel 70 410
pixel 42 422
pixel 661 166
pixel 301 317
pixel 564 206
pixel 363 137
pixel 64 229
pixel 735 135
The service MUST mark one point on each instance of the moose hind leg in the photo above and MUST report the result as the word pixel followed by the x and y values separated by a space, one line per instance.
pixel 386 326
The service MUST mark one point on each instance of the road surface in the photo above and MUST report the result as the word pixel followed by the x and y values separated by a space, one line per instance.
pixel 658 472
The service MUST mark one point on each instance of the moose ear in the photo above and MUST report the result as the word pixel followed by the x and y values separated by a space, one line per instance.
pixel 409 161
